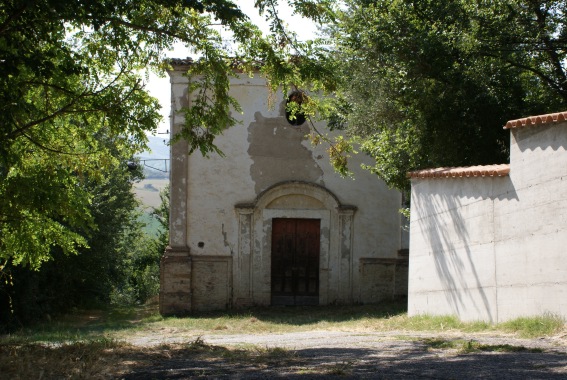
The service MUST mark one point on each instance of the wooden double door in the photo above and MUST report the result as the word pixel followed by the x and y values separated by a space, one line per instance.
pixel 295 261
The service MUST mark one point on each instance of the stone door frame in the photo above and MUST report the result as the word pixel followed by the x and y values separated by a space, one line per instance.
pixel 252 261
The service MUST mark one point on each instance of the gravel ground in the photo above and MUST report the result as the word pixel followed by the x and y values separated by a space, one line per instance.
pixel 382 355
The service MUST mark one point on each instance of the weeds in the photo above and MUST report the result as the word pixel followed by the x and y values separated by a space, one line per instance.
pixel 250 354
pixel 532 327
pixel 340 369
pixel 80 360
pixel 127 323
pixel 503 348
pixel 199 345
pixel 471 345
pixel 274 355
pixel 437 343
pixel 89 345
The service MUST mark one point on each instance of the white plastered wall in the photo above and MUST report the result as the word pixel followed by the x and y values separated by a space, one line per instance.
pixel 494 249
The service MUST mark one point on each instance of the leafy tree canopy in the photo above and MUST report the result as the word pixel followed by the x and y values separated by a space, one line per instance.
pixel 431 83
pixel 417 84
pixel 71 76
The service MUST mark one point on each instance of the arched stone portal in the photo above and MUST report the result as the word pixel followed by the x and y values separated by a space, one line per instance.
pixel 294 200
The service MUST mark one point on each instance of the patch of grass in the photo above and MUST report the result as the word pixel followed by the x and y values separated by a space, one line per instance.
pixel 79 360
pixel 273 355
pixel 109 358
pixel 306 371
pixel 471 345
pixel 199 345
pixel 82 325
pixel 126 323
pixel 285 319
pixel 89 344
pixel 531 327
pixel 443 344
pixel 433 323
pixel 250 354
pixel 507 348
pixel 425 323
pixel 339 369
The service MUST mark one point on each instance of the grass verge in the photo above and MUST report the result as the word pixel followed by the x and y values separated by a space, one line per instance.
pixel 94 359
pixel 126 324
pixel 92 344
pixel 532 327
pixel 107 359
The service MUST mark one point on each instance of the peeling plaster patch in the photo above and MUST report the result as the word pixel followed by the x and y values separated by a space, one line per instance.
pixel 225 240
pixel 278 154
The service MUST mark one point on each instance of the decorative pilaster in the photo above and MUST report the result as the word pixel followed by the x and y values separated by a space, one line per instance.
pixel 175 265
pixel 178 187
pixel 346 233
pixel 243 261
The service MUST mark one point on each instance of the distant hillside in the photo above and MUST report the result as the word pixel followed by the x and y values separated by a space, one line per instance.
pixel 147 191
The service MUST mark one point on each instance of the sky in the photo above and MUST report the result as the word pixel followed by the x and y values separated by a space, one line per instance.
pixel 160 87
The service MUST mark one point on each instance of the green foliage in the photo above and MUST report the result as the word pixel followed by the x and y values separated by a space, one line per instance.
pixel 537 326
pixel 72 105
pixel 74 71
pixel 79 280
pixel 140 268
pixel 139 278
pixel 431 83
pixel 74 111
pixel 472 346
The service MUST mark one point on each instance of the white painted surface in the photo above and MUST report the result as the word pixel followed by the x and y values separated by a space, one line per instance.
pixel 494 249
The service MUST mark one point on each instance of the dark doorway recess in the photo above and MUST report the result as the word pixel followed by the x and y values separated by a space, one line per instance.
pixel 295 261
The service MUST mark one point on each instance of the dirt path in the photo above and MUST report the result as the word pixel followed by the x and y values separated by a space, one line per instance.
pixel 381 355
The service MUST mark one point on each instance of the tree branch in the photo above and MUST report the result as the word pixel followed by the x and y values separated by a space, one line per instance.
pixel 551 52
pixel 52 150
pixel 549 80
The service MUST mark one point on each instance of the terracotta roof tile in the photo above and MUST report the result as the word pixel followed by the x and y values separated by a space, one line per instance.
pixel 461 172
pixel 537 120
pixel 181 61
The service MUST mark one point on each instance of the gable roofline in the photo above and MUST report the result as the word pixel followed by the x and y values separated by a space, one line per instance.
pixel 180 61
pixel 501 170
pixel 532 121
pixel 180 64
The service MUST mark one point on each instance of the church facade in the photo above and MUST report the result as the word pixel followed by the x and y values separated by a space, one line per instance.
pixel 272 223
